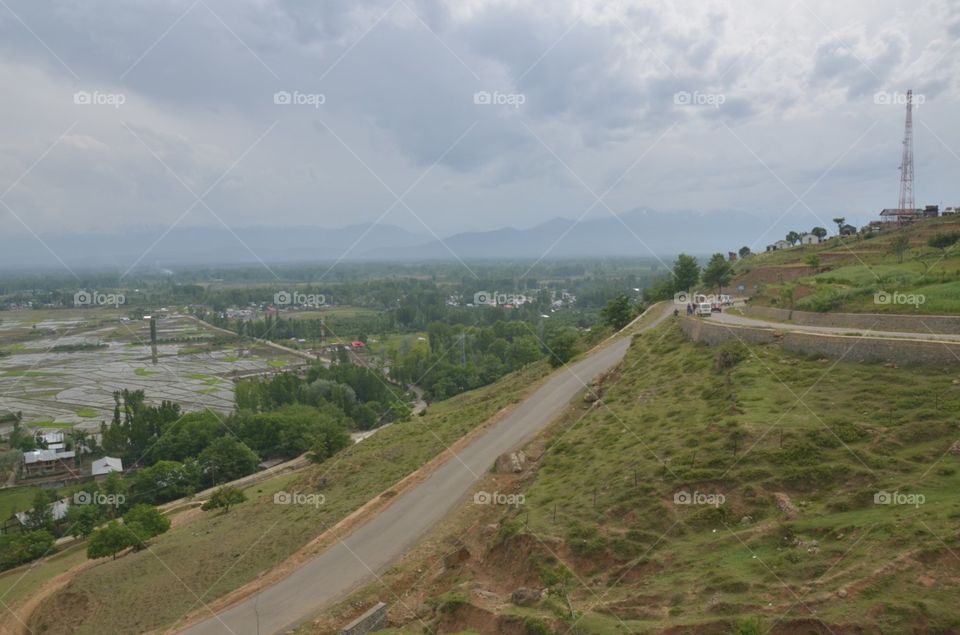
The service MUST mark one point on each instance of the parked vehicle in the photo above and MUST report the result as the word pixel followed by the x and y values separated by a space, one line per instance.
pixel 704 309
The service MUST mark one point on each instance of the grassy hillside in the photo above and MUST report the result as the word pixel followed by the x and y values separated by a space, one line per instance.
pixel 797 448
pixel 850 271
pixel 204 558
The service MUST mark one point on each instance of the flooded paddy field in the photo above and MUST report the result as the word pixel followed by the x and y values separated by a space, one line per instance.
pixel 61 368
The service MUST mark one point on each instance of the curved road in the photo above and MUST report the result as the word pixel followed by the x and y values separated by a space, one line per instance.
pixel 739 320
pixel 388 535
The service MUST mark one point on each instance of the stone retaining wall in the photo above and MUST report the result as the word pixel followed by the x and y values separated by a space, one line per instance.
pixel 372 620
pixel 942 324
pixel 850 348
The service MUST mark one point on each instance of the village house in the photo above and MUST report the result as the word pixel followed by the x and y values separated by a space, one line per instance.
pixel 101 468
pixel 58 512
pixel 45 462
pixel 848 230
pixel 809 239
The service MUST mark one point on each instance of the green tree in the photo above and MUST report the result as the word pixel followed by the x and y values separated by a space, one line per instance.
pixel 840 221
pixel 562 347
pixel 40 515
pixel 744 251
pixel 109 541
pixel 718 272
pixel 187 436
pixel 686 273
pixel 83 520
pixel 226 459
pixel 18 548
pixel 618 312
pixel 899 246
pixel 165 481
pixel 224 498
pixel 819 232
pixel 813 260
pixel 143 522
pixel 793 237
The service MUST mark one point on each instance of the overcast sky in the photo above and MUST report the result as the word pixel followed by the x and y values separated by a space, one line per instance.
pixel 121 115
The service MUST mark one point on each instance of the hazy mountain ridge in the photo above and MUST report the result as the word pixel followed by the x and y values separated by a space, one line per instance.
pixel 636 233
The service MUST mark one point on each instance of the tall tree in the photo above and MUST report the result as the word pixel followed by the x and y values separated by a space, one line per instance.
pixel 224 498
pixel 686 273
pixel 718 272
pixel 109 541
pixel 618 312
pixel 839 220
pixel 819 232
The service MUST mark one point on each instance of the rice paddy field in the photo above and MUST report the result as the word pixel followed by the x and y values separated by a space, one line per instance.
pixel 62 367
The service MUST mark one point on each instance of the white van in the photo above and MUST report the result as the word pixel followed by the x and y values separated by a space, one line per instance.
pixel 703 309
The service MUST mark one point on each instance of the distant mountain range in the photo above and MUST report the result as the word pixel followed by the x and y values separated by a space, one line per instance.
pixel 636 233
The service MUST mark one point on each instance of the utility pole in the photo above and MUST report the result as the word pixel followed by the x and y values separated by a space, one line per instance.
pixel 153 336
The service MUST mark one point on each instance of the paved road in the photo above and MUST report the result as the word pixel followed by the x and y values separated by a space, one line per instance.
pixel 731 318
pixel 389 534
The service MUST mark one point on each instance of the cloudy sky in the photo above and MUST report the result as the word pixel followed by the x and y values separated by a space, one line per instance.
pixel 468 114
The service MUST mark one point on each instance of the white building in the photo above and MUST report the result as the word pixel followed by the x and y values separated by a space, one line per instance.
pixel 102 467
pixel 810 239
pixel 58 509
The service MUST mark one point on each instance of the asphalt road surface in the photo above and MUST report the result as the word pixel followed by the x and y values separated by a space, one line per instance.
pixel 384 538
pixel 732 318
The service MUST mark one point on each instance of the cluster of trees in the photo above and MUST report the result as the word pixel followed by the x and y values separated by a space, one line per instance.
pixel 140 524
pixel 687 274
pixel 23 547
pixel 619 312
pixel 89 508
pixel 463 358
pixel 361 397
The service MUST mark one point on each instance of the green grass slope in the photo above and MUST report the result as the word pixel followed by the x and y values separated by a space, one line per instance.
pixel 797 448
pixel 849 271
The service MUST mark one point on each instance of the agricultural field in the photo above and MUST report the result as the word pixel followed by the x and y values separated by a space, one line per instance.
pixel 63 367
